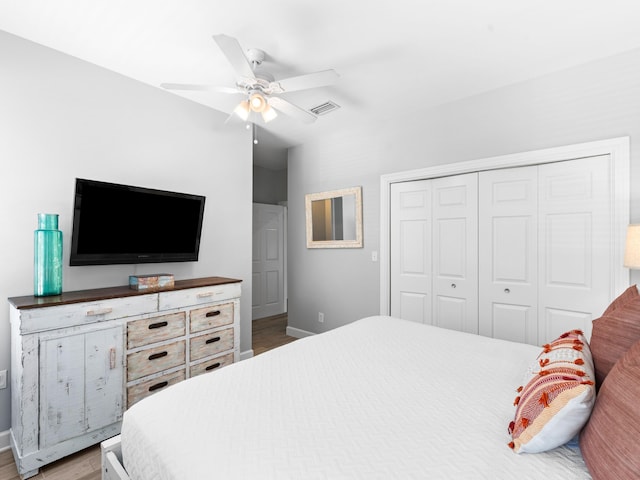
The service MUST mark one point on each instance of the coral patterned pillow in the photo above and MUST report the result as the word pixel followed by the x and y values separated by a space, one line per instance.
pixel 557 400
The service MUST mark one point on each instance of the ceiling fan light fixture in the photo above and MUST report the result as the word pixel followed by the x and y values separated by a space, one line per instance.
pixel 268 114
pixel 257 102
pixel 243 110
pixel 259 87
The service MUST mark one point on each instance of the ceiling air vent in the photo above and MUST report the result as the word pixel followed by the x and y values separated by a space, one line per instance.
pixel 324 108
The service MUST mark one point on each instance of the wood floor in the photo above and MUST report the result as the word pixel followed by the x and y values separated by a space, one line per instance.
pixel 84 465
pixel 268 333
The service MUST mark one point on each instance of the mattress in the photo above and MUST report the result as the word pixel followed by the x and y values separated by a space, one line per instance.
pixel 379 398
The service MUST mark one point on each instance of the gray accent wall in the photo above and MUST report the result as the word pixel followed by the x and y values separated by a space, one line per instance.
pixel 269 186
pixel 595 101
pixel 62 118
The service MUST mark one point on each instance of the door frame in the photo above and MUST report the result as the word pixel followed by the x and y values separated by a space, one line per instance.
pixel 617 148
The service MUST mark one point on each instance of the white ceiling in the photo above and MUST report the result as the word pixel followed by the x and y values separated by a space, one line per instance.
pixel 392 55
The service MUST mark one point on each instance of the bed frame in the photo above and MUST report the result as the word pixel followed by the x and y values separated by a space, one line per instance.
pixel 111 453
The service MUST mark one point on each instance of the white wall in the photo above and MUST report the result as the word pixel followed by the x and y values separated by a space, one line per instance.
pixel 62 118
pixel 596 101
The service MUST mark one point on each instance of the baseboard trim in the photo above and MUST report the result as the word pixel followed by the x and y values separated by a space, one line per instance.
pixel 5 443
pixel 298 333
pixel 246 354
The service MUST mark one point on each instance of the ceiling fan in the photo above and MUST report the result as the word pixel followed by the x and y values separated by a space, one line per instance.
pixel 260 90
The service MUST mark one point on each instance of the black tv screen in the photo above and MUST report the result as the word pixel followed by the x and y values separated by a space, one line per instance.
pixel 119 224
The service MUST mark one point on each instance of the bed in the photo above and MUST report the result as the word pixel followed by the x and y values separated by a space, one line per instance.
pixel 378 398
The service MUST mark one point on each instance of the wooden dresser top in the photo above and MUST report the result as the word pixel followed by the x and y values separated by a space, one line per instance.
pixel 95 294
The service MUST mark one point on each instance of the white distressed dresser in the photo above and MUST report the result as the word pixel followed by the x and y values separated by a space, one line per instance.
pixel 80 359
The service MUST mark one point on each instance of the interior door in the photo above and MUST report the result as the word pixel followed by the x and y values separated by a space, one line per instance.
pixel 508 254
pixel 455 244
pixel 411 251
pixel 575 244
pixel 268 285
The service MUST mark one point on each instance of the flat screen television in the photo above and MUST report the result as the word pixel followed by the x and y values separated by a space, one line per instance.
pixel 120 224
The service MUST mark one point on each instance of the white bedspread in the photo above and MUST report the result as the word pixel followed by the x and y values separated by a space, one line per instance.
pixel 380 398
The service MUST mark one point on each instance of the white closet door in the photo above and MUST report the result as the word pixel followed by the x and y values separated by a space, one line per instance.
pixel 455 260
pixel 575 244
pixel 508 254
pixel 411 251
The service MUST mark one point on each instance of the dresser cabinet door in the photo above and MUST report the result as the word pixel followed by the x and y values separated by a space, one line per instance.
pixel 81 378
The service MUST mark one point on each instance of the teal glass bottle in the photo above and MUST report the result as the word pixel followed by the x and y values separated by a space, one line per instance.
pixel 47 262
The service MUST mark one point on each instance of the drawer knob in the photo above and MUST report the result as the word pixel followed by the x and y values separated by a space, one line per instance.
pixel 213 367
pixel 158 325
pixel 155 356
pixel 506 290
pixel 158 386
pixel 214 313
pixel 208 294
pixel 112 358
pixel 453 285
pixel 99 311
pixel 212 340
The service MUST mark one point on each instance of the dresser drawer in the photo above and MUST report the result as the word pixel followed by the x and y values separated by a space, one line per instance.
pixel 211 365
pixel 211 343
pixel 49 318
pixel 211 317
pixel 198 296
pixel 135 393
pixel 153 360
pixel 155 329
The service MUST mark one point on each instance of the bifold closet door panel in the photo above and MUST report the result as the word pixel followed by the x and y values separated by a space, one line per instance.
pixel 455 252
pixel 508 254
pixel 575 244
pixel 411 251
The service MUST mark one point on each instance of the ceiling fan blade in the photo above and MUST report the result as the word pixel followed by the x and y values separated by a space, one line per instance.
pixel 188 86
pixel 292 110
pixel 310 80
pixel 234 53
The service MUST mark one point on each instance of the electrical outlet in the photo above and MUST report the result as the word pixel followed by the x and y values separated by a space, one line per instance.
pixel 3 379
pixel 321 317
